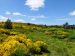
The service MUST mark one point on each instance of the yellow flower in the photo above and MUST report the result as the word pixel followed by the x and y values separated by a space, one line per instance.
pixel 20 38
pixel 6 54
pixel 7 47
pixel 29 42
pixel 13 33
pixel 38 43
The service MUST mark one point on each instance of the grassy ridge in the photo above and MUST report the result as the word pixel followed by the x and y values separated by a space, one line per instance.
pixel 60 42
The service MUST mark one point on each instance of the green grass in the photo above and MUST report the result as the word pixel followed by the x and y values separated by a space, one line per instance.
pixel 56 45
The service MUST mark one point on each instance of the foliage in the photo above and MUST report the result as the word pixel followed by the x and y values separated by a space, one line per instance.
pixel 19 45
pixel 8 24
pixel 36 40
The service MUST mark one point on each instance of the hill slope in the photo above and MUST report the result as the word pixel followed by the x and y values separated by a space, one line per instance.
pixel 60 42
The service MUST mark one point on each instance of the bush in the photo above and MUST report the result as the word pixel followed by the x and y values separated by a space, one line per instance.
pixel 21 50
pixel 39 47
pixel 19 45
pixel 8 24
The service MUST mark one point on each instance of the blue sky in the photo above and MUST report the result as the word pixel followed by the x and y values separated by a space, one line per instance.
pixel 50 12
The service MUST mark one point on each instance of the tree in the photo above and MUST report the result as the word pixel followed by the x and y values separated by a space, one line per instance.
pixel 8 24
pixel 66 25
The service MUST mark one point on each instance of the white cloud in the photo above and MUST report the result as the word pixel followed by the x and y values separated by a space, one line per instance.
pixel 35 4
pixel 33 19
pixel 18 14
pixel 72 13
pixel 2 18
pixel 20 20
pixel 41 16
pixel 37 17
pixel 7 13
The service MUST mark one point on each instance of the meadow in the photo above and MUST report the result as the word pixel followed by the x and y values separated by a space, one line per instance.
pixel 27 39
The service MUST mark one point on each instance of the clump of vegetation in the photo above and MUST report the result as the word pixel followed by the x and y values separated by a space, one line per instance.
pixel 20 45
pixel 37 40
pixel 8 24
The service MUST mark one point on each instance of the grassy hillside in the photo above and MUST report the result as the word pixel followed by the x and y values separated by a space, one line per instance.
pixel 36 40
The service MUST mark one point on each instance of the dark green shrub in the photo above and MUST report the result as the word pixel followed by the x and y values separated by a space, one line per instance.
pixel 8 24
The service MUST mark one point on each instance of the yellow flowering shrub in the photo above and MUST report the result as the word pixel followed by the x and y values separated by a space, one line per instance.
pixel 39 47
pixel 48 33
pixel 20 38
pixel 62 34
pixel 38 43
pixel 20 50
pixel 20 45
pixel 29 43
pixel 13 33
pixel 7 47
pixel 10 47
pixel 2 30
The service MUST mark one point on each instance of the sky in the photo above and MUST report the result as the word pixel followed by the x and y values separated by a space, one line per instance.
pixel 49 12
